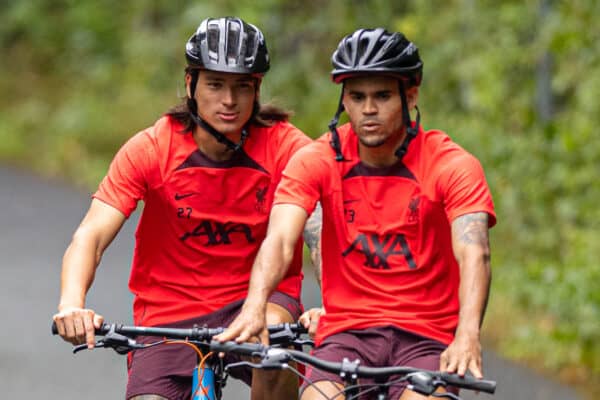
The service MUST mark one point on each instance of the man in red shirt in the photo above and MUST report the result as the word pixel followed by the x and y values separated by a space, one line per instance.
pixel 207 173
pixel 406 214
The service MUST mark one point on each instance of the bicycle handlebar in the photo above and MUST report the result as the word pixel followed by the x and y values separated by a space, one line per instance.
pixel 274 357
pixel 277 333
pixel 196 333
pixel 278 356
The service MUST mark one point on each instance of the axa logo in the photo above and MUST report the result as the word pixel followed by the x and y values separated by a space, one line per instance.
pixel 378 250
pixel 217 233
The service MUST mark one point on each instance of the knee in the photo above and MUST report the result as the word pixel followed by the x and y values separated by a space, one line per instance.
pixel 276 314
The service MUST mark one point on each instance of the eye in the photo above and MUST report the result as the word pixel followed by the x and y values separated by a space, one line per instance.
pixel 214 84
pixel 384 95
pixel 357 96
pixel 246 86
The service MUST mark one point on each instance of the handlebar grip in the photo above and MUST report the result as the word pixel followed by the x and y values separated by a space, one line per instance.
pixel 295 327
pixel 467 382
pixel 101 331
pixel 247 349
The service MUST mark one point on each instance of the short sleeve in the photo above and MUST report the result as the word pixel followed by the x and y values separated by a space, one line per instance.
pixel 464 188
pixel 291 140
pixel 127 179
pixel 301 182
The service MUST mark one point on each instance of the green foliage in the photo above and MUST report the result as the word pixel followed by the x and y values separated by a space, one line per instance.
pixel 514 82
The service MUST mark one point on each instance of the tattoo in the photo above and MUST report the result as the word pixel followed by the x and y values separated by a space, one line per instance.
pixel 312 238
pixel 472 229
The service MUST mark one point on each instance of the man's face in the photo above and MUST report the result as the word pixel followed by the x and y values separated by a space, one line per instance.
pixel 375 109
pixel 225 100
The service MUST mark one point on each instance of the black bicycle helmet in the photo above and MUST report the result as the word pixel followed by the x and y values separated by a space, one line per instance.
pixel 377 51
pixel 228 45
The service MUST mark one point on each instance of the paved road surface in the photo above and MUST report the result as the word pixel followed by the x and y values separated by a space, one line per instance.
pixel 37 218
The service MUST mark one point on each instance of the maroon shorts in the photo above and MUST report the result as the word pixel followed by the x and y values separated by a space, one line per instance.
pixel 377 347
pixel 166 370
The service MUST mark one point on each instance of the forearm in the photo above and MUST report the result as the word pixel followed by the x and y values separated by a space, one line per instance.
pixel 275 254
pixel 78 270
pixel 472 250
pixel 473 293
pixel 269 269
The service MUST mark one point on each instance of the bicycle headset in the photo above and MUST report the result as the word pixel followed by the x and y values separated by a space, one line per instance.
pixel 377 51
pixel 226 45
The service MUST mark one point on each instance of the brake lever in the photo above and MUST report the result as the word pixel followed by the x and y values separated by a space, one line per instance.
pixel 304 342
pixel 242 364
pixel 119 343
pixel 117 346
pixel 80 347
pixel 275 359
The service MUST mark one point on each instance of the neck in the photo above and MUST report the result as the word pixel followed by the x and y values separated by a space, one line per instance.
pixel 212 148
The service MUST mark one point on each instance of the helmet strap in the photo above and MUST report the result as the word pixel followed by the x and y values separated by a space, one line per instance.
pixel 411 131
pixel 335 137
pixel 219 136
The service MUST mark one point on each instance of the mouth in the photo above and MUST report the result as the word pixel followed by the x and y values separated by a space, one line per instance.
pixel 370 126
pixel 227 116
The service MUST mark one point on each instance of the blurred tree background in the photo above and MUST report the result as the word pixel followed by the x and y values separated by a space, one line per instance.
pixel 514 82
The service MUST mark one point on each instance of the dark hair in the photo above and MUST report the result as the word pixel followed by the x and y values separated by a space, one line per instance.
pixel 268 115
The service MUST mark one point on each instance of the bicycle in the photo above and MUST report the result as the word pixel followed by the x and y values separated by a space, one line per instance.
pixel 209 377
pixel 422 381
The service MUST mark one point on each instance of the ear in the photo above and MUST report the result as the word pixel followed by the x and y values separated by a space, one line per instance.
pixel 188 81
pixel 412 94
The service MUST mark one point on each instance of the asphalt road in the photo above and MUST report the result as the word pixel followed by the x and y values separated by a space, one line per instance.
pixel 37 219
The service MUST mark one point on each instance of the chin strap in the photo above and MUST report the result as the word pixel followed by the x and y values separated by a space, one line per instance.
pixel 411 131
pixel 218 135
pixel 335 137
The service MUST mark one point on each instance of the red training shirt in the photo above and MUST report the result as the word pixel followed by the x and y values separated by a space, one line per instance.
pixel 386 240
pixel 202 222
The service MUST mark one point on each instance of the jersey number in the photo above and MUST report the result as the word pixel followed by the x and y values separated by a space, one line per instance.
pixel 184 212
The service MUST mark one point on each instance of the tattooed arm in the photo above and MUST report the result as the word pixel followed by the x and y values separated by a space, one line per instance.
pixel 312 238
pixel 470 243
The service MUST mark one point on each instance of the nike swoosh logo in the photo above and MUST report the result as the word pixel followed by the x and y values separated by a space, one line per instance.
pixel 183 196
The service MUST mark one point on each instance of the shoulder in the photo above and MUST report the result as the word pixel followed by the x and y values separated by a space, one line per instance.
pixel 441 150
pixel 319 148
pixel 164 128
pixel 279 141
pixel 279 131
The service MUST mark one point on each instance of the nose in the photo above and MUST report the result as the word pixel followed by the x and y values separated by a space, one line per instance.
pixel 228 96
pixel 369 106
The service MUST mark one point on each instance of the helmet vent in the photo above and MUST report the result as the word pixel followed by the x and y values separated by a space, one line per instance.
pixel 232 43
pixel 228 45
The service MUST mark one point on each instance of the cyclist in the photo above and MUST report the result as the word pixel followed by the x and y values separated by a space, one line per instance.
pixel 207 173
pixel 406 213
